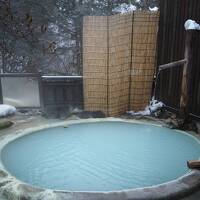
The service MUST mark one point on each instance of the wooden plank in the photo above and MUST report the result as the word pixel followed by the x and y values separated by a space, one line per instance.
pixel 20 75
pixel 193 164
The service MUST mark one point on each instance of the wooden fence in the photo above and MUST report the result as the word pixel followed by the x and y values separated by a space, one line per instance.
pixel 54 95
pixel 171 46
pixel 119 61
pixel 62 94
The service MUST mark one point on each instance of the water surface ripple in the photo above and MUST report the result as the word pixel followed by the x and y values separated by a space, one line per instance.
pixel 101 156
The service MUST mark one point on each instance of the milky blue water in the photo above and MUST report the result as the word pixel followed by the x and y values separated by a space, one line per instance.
pixel 100 156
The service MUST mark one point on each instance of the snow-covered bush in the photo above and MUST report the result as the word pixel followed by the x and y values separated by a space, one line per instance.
pixel 124 8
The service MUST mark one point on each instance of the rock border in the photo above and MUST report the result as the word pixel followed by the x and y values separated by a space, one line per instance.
pixel 12 188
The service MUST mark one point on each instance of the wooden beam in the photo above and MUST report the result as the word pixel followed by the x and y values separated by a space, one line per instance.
pixel 20 75
pixel 172 64
pixel 62 77
pixel 193 164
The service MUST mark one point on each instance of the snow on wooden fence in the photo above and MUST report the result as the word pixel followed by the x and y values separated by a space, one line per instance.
pixel 119 54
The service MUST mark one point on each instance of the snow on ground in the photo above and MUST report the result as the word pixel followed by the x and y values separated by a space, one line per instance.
pixel 191 25
pixel 6 110
pixel 152 107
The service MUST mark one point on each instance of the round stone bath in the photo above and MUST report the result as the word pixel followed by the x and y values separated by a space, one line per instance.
pixel 101 159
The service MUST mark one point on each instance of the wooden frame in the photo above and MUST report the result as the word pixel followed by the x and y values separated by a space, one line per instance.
pixel 33 75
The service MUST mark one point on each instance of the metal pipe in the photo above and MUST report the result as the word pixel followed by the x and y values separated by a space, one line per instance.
pixel 172 64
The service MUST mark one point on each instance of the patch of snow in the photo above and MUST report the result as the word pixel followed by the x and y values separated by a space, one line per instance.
pixel 54 28
pixel 143 113
pixel 6 110
pixel 152 107
pixel 124 8
pixel 62 42
pixel 46 194
pixel 154 9
pixel 76 110
pixel 191 25
pixel 14 102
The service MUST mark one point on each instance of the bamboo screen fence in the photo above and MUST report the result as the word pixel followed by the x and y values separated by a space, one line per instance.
pixel 119 54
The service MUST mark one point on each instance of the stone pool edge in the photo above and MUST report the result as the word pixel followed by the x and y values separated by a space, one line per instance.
pixel 176 189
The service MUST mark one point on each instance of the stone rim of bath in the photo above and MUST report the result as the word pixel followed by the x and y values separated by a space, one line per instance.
pixel 183 186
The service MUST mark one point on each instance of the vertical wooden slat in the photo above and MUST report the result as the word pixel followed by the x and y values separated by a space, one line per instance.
pixel 126 44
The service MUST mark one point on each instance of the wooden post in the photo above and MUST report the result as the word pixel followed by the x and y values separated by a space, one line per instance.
pixel 41 91
pixel 1 93
pixel 186 79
